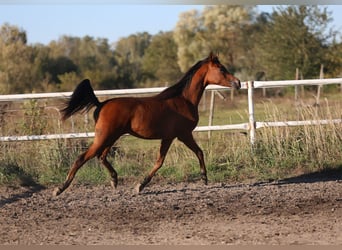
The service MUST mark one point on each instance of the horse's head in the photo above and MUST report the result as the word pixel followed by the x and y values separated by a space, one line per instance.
pixel 218 74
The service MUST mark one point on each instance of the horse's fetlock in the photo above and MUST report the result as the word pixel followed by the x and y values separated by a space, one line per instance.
pixel 57 191
pixel 205 179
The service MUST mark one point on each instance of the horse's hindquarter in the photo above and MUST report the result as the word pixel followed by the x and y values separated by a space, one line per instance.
pixel 115 115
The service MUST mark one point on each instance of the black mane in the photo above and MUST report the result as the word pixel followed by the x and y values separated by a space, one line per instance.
pixel 178 88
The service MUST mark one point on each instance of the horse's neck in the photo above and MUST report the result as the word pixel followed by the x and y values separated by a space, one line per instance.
pixel 194 92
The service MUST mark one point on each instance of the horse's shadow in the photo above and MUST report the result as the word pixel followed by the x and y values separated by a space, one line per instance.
pixel 327 174
pixel 30 190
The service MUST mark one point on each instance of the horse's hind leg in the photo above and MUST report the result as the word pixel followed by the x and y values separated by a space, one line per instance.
pixel 113 174
pixel 81 160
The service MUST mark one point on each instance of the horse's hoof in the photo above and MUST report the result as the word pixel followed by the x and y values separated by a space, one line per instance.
pixel 113 184
pixel 139 188
pixel 57 191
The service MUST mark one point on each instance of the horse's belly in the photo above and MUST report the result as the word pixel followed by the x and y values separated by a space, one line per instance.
pixel 156 120
pixel 161 129
pixel 151 130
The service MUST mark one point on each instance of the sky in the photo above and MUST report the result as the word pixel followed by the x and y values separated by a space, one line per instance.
pixel 44 23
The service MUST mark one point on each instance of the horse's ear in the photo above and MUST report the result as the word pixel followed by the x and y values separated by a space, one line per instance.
pixel 213 56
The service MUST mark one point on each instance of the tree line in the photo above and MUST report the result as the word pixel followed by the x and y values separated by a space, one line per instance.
pixel 250 44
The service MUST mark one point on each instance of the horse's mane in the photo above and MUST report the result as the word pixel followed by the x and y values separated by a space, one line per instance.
pixel 178 88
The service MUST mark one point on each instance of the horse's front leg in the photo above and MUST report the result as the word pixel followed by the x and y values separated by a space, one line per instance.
pixel 190 142
pixel 164 147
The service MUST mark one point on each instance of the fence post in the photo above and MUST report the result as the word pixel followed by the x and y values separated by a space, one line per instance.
pixel 319 88
pixel 252 127
pixel 211 112
pixel 296 86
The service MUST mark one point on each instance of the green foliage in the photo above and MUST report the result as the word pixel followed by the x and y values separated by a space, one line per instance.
pixel 248 42
pixel 67 81
pixel 12 174
pixel 130 52
pixel 60 65
pixel 12 34
pixel 278 43
pixel 33 122
pixel 217 28
pixel 333 60
pixel 15 60
pixel 159 63
pixel 293 37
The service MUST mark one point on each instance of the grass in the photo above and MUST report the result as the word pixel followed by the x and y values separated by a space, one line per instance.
pixel 279 152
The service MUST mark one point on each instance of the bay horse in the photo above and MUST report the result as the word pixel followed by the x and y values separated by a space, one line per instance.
pixel 171 114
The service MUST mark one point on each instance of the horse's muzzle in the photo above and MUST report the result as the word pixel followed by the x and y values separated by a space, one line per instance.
pixel 236 84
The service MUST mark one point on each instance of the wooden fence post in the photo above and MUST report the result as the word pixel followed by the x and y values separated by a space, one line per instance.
pixel 319 88
pixel 252 127
pixel 211 111
pixel 296 86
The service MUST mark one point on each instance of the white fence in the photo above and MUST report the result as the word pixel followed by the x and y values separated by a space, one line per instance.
pixel 250 126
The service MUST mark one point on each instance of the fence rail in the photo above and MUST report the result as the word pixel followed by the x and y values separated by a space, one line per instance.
pixel 118 92
pixel 250 126
pixel 285 83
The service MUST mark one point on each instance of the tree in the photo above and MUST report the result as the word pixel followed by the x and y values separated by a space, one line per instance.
pixel 218 28
pixel 129 52
pixel 41 77
pixel 59 66
pixel 15 61
pixel 10 34
pixel 188 35
pixel 295 37
pixel 73 58
pixel 333 60
pixel 160 59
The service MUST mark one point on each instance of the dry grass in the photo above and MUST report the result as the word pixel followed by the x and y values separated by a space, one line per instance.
pixel 278 152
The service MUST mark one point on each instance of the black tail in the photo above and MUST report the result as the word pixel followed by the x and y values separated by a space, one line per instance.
pixel 82 99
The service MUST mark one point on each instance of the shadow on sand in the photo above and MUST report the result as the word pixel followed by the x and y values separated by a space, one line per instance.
pixel 327 174
pixel 29 191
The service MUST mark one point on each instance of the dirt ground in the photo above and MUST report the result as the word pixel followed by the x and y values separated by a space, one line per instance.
pixel 301 210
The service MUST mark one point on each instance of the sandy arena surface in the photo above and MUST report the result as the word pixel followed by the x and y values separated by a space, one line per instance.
pixel 303 210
